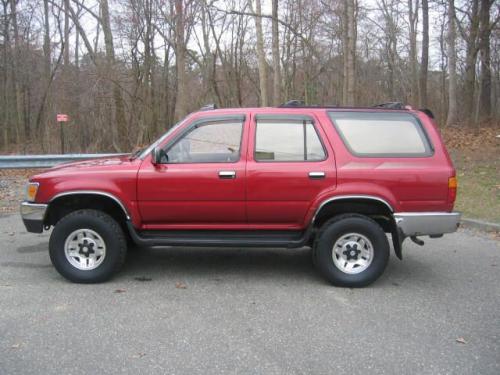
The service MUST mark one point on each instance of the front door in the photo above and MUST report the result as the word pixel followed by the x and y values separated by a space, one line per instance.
pixel 201 182
pixel 288 167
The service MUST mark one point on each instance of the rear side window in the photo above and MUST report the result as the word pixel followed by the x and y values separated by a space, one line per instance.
pixel 287 140
pixel 382 134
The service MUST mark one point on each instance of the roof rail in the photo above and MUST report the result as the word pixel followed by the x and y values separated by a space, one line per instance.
pixel 300 104
pixel 208 107
pixel 292 104
pixel 391 105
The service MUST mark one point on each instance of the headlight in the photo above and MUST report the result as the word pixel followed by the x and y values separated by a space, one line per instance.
pixel 31 190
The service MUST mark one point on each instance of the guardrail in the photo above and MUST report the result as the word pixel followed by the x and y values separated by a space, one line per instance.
pixel 45 161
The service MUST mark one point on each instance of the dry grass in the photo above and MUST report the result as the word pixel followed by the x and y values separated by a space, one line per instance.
pixel 476 155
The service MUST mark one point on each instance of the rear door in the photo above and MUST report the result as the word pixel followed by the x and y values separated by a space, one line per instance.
pixel 289 165
pixel 201 183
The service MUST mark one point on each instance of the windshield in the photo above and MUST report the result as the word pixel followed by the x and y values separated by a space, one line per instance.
pixel 142 153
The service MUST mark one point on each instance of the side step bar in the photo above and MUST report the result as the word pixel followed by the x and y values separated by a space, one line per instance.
pixel 220 238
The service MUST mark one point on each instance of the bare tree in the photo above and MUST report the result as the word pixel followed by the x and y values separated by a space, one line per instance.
pixel 125 73
pixel 484 107
pixel 470 35
pixel 276 56
pixel 350 36
pixel 180 60
pixel 260 53
pixel 424 62
pixel 413 6
pixel 452 117
pixel 120 120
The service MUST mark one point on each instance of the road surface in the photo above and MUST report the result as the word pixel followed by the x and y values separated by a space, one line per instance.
pixel 251 311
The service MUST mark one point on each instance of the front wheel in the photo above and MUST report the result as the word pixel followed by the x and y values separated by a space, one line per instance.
pixel 351 250
pixel 87 246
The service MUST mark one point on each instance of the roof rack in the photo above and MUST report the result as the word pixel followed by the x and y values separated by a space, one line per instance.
pixel 300 104
pixel 293 104
pixel 209 107
pixel 391 105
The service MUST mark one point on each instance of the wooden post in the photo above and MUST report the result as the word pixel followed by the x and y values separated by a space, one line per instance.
pixel 62 136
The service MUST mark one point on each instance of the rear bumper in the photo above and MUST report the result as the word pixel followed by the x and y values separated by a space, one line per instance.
pixel 33 215
pixel 427 223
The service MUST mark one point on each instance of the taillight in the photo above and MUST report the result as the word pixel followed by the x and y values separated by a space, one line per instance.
pixel 452 189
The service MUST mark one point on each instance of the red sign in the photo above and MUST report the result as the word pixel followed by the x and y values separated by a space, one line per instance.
pixel 62 117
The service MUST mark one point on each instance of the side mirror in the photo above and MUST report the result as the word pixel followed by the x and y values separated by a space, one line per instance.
pixel 157 155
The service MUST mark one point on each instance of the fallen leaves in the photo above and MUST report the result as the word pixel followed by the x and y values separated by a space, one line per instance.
pixel 180 285
pixel 469 138
pixel 138 355
pixel 461 340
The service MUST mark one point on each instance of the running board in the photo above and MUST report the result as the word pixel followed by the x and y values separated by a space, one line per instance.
pixel 290 239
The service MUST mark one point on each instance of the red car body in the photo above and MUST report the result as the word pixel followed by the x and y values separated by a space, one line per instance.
pixel 335 179
pixel 263 196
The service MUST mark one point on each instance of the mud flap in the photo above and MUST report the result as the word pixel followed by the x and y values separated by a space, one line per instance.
pixel 397 241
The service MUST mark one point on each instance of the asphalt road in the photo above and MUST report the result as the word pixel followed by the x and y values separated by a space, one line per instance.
pixel 255 311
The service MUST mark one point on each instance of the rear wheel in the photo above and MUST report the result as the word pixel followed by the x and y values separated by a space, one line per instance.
pixel 87 246
pixel 351 250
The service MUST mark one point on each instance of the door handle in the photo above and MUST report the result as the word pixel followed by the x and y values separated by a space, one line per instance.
pixel 227 174
pixel 316 175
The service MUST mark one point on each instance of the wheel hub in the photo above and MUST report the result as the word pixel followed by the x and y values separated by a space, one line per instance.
pixel 85 249
pixel 352 253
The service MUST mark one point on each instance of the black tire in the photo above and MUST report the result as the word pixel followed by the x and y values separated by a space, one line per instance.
pixel 102 224
pixel 335 229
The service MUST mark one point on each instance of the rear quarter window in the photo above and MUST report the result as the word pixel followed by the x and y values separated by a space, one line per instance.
pixel 371 134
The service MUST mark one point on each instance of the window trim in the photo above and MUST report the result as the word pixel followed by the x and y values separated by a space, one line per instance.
pixel 203 122
pixel 429 147
pixel 284 118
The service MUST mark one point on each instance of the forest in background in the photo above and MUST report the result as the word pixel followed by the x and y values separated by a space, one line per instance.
pixel 126 70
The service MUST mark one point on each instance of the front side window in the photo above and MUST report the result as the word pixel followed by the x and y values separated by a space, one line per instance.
pixel 213 142
pixel 382 134
pixel 278 140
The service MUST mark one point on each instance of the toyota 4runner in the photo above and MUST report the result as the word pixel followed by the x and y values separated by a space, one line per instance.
pixel 338 180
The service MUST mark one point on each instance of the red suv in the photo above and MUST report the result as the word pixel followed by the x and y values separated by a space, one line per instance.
pixel 335 179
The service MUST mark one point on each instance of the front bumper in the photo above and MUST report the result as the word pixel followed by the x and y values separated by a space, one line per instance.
pixel 33 215
pixel 427 223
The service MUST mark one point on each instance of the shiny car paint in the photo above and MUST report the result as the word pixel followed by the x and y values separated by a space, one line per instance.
pixel 276 195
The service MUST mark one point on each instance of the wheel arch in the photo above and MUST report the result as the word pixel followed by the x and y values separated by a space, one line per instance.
pixel 374 207
pixel 63 203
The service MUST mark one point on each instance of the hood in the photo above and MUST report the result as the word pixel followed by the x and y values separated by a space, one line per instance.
pixel 100 162
pixel 102 167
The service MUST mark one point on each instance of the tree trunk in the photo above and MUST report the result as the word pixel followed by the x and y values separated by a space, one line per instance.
pixel 452 117
pixel 6 77
pixel 413 21
pixel 485 58
pixel 351 11
pixel 424 64
pixel 180 61
pixel 261 55
pixel 16 75
pixel 276 56
pixel 46 39
pixel 120 121
pixel 470 61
